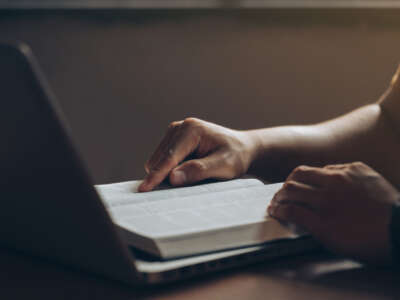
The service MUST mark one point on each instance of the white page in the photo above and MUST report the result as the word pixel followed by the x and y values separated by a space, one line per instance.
pixel 214 206
pixel 123 193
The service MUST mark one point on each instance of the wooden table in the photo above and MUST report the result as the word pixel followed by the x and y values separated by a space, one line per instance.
pixel 311 276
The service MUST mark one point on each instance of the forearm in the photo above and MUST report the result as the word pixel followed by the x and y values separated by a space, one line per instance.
pixel 362 135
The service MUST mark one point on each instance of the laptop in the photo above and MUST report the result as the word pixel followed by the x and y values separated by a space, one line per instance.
pixel 50 208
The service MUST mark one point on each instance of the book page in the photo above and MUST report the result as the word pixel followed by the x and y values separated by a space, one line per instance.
pixel 212 207
pixel 126 193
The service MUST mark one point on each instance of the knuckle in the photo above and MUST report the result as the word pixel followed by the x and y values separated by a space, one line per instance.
pixel 192 124
pixel 301 169
pixel 190 121
pixel 338 177
pixel 357 165
pixel 173 124
pixel 299 172
pixel 290 186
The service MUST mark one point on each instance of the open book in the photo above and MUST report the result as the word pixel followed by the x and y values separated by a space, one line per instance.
pixel 192 220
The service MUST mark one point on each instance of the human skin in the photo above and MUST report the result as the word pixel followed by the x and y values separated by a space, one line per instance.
pixel 341 176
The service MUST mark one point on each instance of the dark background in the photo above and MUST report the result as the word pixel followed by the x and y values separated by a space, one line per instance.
pixel 122 75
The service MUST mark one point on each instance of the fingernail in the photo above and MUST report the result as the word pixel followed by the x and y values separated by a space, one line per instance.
pixel 142 186
pixel 144 183
pixel 178 177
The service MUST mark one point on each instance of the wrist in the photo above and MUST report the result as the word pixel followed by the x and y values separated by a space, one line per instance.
pixel 253 145
pixel 262 162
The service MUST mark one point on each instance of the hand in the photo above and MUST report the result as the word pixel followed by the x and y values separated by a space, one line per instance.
pixel 217 152
pixel 346 207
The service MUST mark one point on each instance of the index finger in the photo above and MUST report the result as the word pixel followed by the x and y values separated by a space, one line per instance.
pixel 165 143
pixel 182 143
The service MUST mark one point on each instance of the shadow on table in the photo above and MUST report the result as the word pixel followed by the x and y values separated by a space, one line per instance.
pixel 24 277
pixel 326 270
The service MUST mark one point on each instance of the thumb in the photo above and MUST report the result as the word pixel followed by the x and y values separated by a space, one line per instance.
pixel 196 170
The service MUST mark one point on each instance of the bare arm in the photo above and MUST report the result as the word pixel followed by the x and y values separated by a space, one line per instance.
pixel 364 135
pixel 370 134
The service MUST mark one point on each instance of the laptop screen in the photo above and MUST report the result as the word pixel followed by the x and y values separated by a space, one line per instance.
pixel 49 206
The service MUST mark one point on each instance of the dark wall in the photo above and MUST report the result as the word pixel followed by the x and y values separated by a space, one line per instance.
pixel 122 76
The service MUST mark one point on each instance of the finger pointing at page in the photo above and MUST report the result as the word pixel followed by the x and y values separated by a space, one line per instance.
pixel 218 152
pixel 155 158
pixel 181 140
